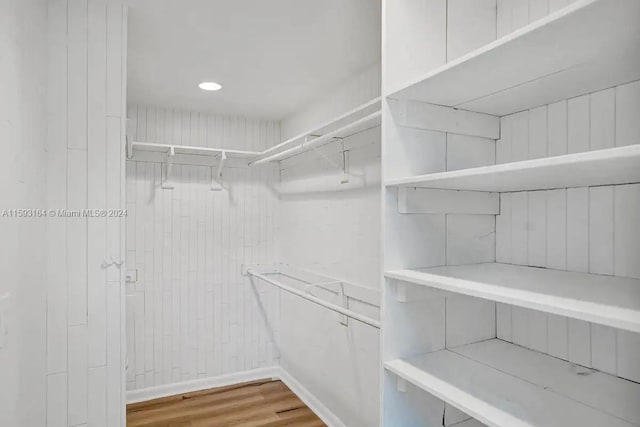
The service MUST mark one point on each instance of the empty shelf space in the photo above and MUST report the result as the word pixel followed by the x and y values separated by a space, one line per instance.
pixel 413 200
pixel 586 46
pixel 620 165
pixel 607 300
pixel 501 384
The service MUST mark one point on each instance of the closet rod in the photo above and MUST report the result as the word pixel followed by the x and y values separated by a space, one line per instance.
pixel 333 307
pixel 345 131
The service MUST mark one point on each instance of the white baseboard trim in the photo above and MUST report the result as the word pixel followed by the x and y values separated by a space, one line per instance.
pixel 149 393
pixel 324 413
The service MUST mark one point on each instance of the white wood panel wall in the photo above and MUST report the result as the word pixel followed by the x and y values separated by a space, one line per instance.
pixel 334 231
pixel 513 14
pixel 87 69
pixel 328 230
pixel 333 228
pixel 23 131
pixel 591 230
pixel 191 314
pixel 362 87
pixel 474 23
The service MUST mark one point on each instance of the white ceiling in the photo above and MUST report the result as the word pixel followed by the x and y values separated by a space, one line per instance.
pixel 271 56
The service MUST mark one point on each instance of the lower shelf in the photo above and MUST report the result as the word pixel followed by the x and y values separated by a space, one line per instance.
pixel 501 384
pixel 607 300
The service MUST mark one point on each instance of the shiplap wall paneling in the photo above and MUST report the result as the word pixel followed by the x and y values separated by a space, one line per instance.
pixel 23 135
pixel 577 229
pixel 355 91
pixel 333 228
pixel 513 14
pixel 86 101
pixel 190 313
pixel 454 28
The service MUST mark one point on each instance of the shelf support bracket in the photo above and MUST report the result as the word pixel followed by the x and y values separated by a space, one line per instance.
pixel 344 319
pixel 345 165
pixel 345 161
pixel 129 148
pixel 168 167
pixel 216 179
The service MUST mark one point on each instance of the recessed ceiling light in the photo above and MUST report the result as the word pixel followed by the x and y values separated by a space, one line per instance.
pixel 210 86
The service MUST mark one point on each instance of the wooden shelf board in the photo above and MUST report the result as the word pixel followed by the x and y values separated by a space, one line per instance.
pixel 620 165
pixel 360 125
pixel 584 47
pixel 607 300
pixel 330 126
pixel 190 150
pixel 503 385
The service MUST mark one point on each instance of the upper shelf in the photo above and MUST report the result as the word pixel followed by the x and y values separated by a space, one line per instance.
pixel 137 147
pixel 607 300
pixel 357 120
pixel 504 385
pixel 587 46
pixel 365 116
pixel 620 165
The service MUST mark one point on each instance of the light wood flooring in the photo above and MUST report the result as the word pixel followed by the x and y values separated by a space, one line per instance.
pixel 255 404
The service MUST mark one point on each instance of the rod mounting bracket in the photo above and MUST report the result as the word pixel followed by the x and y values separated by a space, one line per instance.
pixel 168 168
pixel 216 179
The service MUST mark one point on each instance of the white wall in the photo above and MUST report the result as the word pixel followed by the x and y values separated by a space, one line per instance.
pixel 22 183
pixel 85 169
pixel 328 227
pixel 592 230
pixel 334 229
pixel 191 314
pixel 355 91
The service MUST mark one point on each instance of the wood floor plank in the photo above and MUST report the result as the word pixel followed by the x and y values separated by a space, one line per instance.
pixel 197 406
pixel 263 403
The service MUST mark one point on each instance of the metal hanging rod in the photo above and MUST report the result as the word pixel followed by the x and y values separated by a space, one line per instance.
pixel 360 119
pixel 333 307
pixel 370 106
pixel 351 129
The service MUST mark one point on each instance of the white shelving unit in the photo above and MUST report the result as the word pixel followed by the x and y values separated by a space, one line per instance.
pixel 360 119
pixel 215 158
pixel 450 307
pixel 501 385
pixel 620 165
pixel 586 46
pixel 607 300
pixel 137 148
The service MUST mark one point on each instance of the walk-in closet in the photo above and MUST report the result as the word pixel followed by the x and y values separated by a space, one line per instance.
pixel 342 213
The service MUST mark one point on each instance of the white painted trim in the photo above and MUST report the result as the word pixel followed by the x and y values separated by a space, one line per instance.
pixel 272 372
pixel 324 413
pixel 149 393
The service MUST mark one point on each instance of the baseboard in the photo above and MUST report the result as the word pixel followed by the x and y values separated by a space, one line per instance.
pixel 324 413
pixel 143 394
